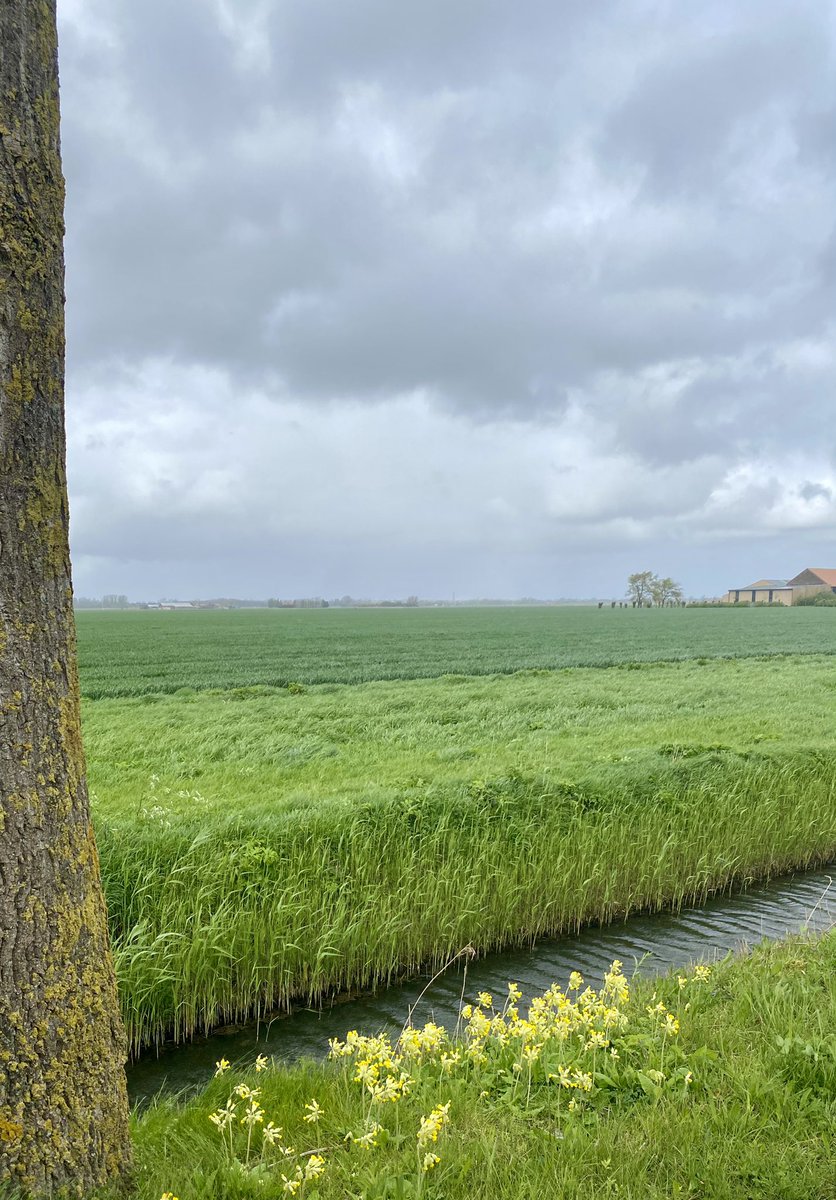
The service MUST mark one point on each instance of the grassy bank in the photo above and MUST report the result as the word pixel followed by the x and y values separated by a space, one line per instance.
pixel 722 1086
pixel 295 844
pixel 136 653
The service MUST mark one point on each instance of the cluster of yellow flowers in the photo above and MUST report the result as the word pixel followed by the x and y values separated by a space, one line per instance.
pixel 378 1066
pixel 312 1169
pixel 562 1039
pixel 243 1107
pixel 590 1021
pixel 428 1131
pixel 669 1023
pixel 575 1039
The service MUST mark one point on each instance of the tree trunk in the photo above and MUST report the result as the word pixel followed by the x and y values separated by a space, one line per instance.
pixel 63 1106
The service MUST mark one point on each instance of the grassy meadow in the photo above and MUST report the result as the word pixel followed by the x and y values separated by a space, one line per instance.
pixel 264 843
pixel 715 1084
pixel 132 653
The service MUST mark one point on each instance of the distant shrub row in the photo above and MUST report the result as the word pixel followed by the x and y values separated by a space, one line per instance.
pixel 738 604
pixel 818 600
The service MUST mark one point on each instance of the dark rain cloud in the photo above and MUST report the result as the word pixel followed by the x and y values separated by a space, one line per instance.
pixel 612 218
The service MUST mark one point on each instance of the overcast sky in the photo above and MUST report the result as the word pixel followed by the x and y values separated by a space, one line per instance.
pixel 448 296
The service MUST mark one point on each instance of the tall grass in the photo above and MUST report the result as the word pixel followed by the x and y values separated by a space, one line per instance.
pixel 215 921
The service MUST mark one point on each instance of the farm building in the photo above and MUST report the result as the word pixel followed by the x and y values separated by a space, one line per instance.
pixel 784 591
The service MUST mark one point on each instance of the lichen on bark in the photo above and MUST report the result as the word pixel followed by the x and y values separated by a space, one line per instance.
pixel 63 1107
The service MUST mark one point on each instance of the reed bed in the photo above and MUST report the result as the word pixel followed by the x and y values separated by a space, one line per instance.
pixel 262 847
pixel 214 922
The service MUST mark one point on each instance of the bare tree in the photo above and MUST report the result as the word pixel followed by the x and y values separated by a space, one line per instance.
pixel 63 1107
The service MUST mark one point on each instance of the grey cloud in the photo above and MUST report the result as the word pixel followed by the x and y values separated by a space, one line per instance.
pixel 285 254
pixel 709 102
pixel 815 491
pixel 617 215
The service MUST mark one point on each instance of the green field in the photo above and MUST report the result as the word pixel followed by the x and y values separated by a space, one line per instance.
pixel 260 844
pixel 131 653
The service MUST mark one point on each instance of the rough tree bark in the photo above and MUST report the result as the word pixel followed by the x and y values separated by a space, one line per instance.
pixel 63 1108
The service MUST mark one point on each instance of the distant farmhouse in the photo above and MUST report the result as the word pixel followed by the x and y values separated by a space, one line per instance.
pixel 784 591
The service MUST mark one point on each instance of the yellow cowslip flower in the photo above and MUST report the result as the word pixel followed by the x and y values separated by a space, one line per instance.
pixel 338 1049
pixel 478 1024
pixel 532 1053
pixel 597 1040
pixel 392 1089
pixel 366 1073
pixel 615 984
pixel 410 1042
pixel 272 1133
pixel 262 1063
pixel 221 1066
pixel 582 1080
pixel 291 1186
pixel 368 1139
pixel 485 999
pixel 432 1125
pixel 514 992
pixel 313 1112
pixel 168 1196
pixel 253 1115
pixel 467 1012
pixel 430 1161
pixel 671 1025
pixel 702 973
pixel 575 981
pixel 222 1118
pixel 246 1093
pixel 498 1030
pixel 448 1061
pixel 689 1078
pixel 314 1167
pixel 682 981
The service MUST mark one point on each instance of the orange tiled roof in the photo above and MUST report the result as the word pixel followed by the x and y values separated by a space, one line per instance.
pixel 825 574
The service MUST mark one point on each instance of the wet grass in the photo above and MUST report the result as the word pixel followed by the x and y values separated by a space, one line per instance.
pixel 259 845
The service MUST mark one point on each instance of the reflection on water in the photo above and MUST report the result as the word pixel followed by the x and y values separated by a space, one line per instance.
pixel 652 943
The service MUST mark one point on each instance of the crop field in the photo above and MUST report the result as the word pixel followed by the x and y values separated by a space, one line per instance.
pixel 135 653
pixel 262 845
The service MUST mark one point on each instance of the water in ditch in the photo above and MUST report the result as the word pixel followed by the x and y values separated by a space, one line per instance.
pixel 652 944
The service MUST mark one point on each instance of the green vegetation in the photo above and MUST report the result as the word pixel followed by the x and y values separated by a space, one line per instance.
pixel 724 1090
pixel 132 653
pixel 261 844
pixel 817 600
